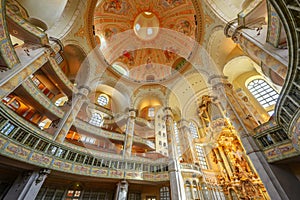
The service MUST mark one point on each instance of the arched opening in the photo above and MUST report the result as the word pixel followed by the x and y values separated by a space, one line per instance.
pixel 74 56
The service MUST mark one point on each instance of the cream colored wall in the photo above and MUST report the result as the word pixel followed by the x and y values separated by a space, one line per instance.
pixel 240 82
pixel 228 10
pixel 49 11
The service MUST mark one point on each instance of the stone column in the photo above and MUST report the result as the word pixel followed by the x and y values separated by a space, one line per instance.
pixel 235 113
pixel 122 190
pixel 176 180
pixel 27 185
pixel 188 138
pixel 258 53
pixel 192 189
pixel 129 133
pixel 67 121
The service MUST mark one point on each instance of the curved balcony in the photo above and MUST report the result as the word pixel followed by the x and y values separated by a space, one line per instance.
pixel 287 107
pixel 8 58
pixel 101 109
pixel 21 143
pixel 9 80
pixel 119 119
pixel 144 123
pixel 93 130
pixel 25 29
pixel 97 131
pixel 20 121
pixel 122 119
pixel 190 168
pixel 41 98
pixel 60 78
pixel 145 142
pixel 274 142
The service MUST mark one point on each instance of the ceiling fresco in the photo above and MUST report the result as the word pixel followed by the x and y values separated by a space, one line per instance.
pixel 146 22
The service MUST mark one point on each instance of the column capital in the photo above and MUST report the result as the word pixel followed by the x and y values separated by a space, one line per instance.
pixel 132 112
pixel 233 30
pixel 216 79
pixel 42 174
pixel 84 90
pixel 168 112
pixel 183 123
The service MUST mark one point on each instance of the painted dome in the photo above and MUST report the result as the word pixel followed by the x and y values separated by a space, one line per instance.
pixel 140 40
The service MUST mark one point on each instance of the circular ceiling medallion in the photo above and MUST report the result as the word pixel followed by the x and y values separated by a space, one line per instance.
pixel 146 26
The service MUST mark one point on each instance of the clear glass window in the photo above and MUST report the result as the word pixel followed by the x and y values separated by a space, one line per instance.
pixel 194 130
pixel 263 92
pixel 96 119
pixel 102 100
pixel 151 112
pixel 201 156
pixel 164 193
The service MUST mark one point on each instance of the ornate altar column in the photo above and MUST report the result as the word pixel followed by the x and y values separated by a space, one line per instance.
pixel 129 133
pixel 67 121
pixel 221 164
pixel 225 160
pixel 176 180
pixel 235 110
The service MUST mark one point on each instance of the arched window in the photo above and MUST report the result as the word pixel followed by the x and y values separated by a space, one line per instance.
pixel 205 191
pixel 151 112
pixel 195 190
pixel 61 101
pixel 188 190
pixel 201 156
pixel 164 193
pixel 86 139
pixel 44 123
pixel 96 119
pixel 176 132
pixel 102 100
pixel 263 93
pixel 194 130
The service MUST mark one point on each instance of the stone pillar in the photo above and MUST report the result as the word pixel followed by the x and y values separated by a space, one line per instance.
pixel 192 190
pixel 187 138
pixel 129 133
pixel 122 190
pixel 237 117
pixel 70 116
pixel 176 180
pixel 258 53
pixel 27 185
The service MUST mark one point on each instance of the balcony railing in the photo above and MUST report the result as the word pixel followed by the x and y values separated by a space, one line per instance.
pixel 21 143
pixel 40 97
pixel 274 142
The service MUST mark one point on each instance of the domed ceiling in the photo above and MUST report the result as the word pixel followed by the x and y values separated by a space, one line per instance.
pixel 135 39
